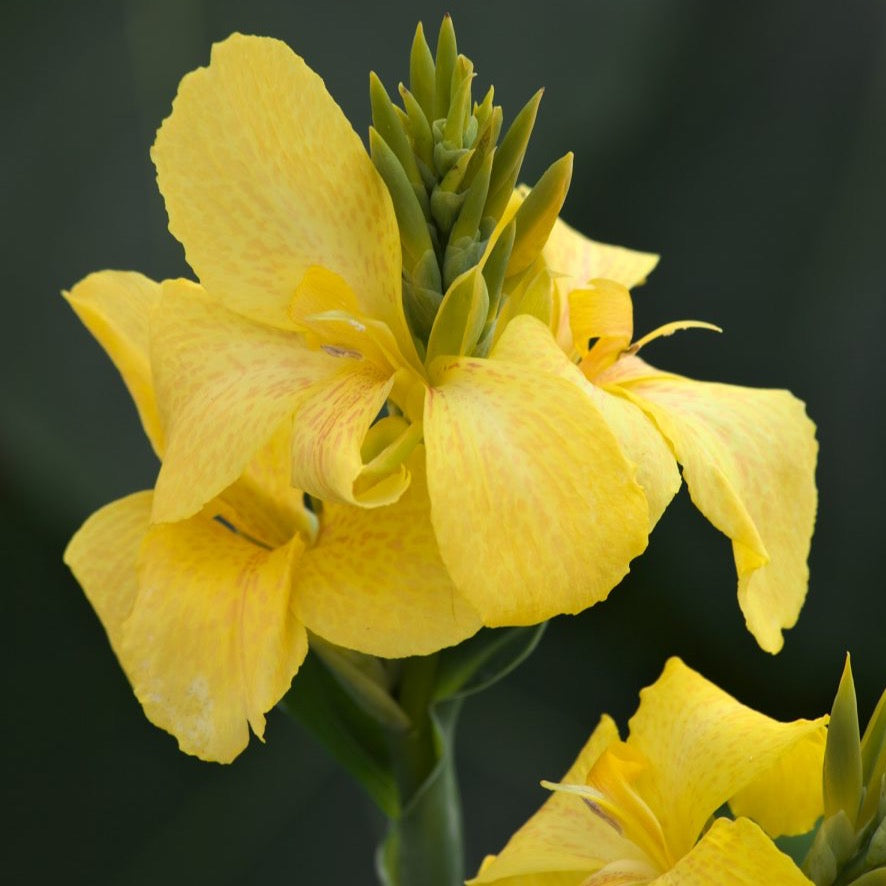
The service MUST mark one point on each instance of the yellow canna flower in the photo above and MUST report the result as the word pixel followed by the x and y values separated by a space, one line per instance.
pixel 209 615
pixel 644 810
pixel 299 318
pixel 748 455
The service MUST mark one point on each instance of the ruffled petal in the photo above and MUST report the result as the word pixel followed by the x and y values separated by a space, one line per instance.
pixel 263 177
pixel 102 555
pixel 571 253
pixel 737 853
pixel 516 448
pixel 565 835
pixel 224 386
pixel 374 580
pixel 116 306
pixel 748 457
pixel 212 643
pixel 787 797
pixel 703 747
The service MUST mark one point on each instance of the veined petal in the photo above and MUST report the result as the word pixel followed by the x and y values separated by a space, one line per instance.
pixel 329 432
pixel 263 177
pixel 787 798
pixel 224 385
pixel 737 853
pixel 703 747
pixel 571 253
pixel 515 448
pixel 115 306
pixel 528 342
pixel 748 457
pixel 602 311
pixel 212 643
pixel 565 835
pixel 102 555
pixel 374 580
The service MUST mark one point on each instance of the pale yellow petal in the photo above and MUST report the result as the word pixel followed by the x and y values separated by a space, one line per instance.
pixel 737 853
pixel 224 386
pixel 264 177
pixel 703 747
pixel 262 502
pixel 565 835
pixel 571 253
pixel 329 432
pixel 511 449
pixel 374 580
pixel 528 342
pixel 748 458
pixel 212 642
pixel 102 555
pixel 603 311
pixel 115 306
pixel 787 797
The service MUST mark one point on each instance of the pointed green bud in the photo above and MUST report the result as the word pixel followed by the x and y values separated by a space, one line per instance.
pixel 538 212
pixel 495 268
pixel 833 845
pixel 842 758
pixel 509 157
pixel 468 222
pixel 422 137
pixel 422 77
pixel 422 294
pixel 447 53
pixel 389 126
pixel 415 240
pixel 873 762
pixel 460 103
pixel 533 296
pixel 461 317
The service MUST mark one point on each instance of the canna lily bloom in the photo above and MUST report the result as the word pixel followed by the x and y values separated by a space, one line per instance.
pixel 748 455
pixel 209 616
pixel 291 231
pixel 644 810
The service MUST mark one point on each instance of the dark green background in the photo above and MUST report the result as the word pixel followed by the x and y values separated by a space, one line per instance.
pixel 745 142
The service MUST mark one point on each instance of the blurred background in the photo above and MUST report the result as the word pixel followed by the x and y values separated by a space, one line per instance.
pixel 744 142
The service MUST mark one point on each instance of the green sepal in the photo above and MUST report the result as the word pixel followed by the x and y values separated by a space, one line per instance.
pixel 357 741
pixel 834 844
pixel 460 103
pixel 447 158
pixel 842 773
pixel 467 224
pixel 421 135
pixel 422 77
pixel 422 293
pixel 494 273
pixel 871 878
pixel 461 317
pixel 509 157
pixel 537 213
pixel 389 126
pixel 447 54
pixel 415 240
pixel 532 295
pixel 873 742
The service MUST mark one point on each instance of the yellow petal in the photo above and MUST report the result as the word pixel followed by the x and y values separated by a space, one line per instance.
pixel 263 177
pixel 102 555
pixel 328 437
pixel 262 502
pixel 224 386
pixel 748 457
pixel 211 643
pixel 737 853
pixel 787 798
pixel 374 580
pixel 511 450
pixel 703 747
pixel 564 835
pixel 571 253
pixel 602 311
pixel 115 306
pixel 529 344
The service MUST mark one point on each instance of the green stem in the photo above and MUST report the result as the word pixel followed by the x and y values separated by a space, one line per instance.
pixel 424 843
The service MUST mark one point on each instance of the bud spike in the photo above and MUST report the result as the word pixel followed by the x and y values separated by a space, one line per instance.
pixel 842 772
pixel 420 130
